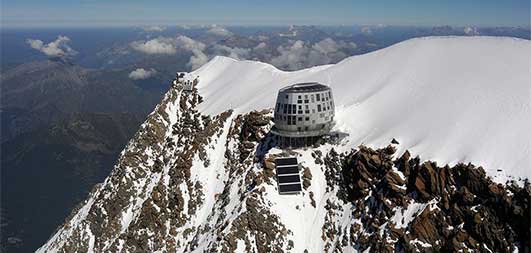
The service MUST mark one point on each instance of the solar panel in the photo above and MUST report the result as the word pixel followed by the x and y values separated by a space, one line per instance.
pixel 288 170
pixel 289 188
pixel 286 161
pixel 289 179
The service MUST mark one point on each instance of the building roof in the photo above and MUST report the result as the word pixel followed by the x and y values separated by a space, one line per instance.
pixel 305 87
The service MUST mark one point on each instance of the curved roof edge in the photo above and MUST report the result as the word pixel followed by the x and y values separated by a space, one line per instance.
pixel 305 87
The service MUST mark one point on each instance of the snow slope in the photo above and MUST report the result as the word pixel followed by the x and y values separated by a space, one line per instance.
pixel 447 99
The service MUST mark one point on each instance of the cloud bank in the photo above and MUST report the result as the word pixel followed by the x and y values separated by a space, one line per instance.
pixel 293 55
pixel 160 45
pixel 169 46
pixel 141 73
pixel 154 28
pixel 219 31
pixel 300 55
pixel 56 48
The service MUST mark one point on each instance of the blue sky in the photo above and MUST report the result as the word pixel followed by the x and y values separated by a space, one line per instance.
pixel 272 12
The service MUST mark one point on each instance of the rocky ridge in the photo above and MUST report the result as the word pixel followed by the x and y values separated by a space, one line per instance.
pixel 190 182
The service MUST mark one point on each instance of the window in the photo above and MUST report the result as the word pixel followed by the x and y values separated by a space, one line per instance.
pixel 299 128
pixel 306 99
pixel 299 119
pixel 329 94
pixel 294 120
pixel 286 96
pixel 285 109
pixel 318 108
pixel 278 107
pixel 289 109
pixel 307 111
pixel 318 97
pixel 312 98
pixel 299 112
pixel 299 101
pixel 289 120
pixel 306 128
pixel 307 119
pixel 299 97
pixel 294 108
pixel 300 107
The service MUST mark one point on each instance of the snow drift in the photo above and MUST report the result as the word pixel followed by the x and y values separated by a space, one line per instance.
pixel 447 99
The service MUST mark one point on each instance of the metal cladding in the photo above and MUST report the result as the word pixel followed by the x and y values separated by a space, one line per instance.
pixel 288 177
pixel 304 110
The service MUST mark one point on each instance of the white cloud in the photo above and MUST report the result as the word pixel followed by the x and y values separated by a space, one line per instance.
pixel 189 44
pixel 160 45
pixel 291 57
pixel 141 73
pixel 167 45
pixel 300 54
pixel 219 31
pixel 366 30
pixel 232 52
pixel 471 31
pixel 185 27
pixel 261 45
pixel 154 28
pixel 56 48
pixel 197 59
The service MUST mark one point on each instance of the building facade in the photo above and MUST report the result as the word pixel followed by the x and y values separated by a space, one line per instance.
pixel 304 110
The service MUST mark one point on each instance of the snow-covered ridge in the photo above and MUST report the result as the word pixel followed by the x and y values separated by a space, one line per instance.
pixel 447 99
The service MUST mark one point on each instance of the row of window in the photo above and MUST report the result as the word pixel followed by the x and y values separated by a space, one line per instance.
pixel 294 109
pixel 292 120
pixel 313 97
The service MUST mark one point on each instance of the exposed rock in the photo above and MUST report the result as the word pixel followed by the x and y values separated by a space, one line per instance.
pixel 461 209
pixel 306 178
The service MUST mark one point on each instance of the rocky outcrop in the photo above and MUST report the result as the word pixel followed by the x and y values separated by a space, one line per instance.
pixel 450 208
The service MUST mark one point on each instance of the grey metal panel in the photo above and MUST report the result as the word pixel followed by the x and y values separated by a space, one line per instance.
pixel 289 188
pixel 286 161
pixel 288 170
pixel 289 179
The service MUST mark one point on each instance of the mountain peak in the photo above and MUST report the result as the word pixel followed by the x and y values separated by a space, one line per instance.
pixel 200 175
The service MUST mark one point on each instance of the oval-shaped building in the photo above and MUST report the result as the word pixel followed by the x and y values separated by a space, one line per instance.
pixel 303 111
